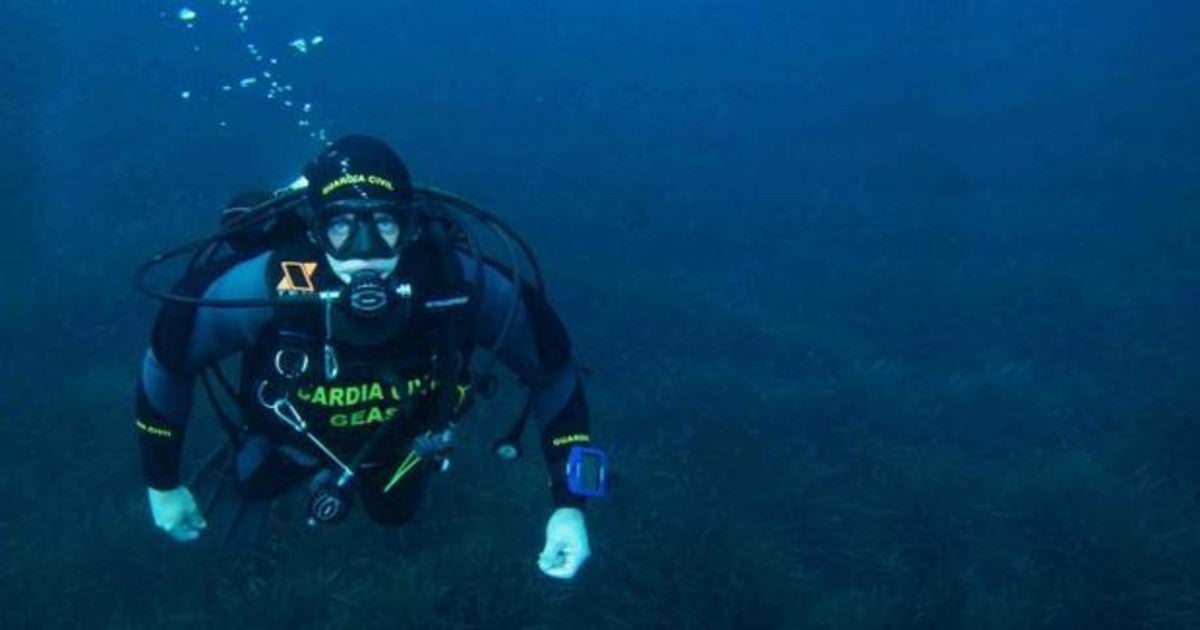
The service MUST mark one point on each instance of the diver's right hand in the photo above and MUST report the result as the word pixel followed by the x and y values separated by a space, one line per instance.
pixel 176 513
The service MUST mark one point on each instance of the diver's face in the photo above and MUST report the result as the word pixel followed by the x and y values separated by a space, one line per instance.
pixel 340 228
pixel 362 234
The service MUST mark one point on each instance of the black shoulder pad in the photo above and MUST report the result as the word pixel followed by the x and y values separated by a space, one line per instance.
pixel 549 333
pixel 174 323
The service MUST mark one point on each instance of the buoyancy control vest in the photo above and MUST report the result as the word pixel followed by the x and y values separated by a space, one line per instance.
pixel 347 384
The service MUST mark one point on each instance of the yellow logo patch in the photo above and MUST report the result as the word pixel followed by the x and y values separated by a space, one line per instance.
pixel 351 179
pixel 578 438
pixel 153 430
pixel 297 277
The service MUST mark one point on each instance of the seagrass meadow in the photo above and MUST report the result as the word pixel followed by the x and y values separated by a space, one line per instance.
pixel 888 312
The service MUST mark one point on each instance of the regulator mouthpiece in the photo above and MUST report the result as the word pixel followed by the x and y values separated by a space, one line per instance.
pixel 368 294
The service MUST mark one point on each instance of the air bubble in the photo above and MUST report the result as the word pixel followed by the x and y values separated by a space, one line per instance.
pixel 265 58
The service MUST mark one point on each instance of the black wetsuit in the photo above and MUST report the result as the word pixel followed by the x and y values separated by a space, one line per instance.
pixel 389 383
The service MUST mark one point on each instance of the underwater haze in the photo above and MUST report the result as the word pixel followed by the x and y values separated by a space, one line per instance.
pixel 889 308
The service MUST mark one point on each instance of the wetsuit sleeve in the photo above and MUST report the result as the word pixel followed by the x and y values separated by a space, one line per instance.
pixel 537 349
pixel 187 339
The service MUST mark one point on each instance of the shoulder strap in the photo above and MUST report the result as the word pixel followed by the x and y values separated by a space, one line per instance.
pixel 449 309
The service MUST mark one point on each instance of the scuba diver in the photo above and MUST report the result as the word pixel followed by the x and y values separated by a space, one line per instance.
pixel 355 301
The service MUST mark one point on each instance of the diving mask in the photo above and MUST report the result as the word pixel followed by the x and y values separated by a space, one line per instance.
pixel 363 230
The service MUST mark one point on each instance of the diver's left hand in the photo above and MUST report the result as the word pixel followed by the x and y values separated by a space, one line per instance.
pixel 566 544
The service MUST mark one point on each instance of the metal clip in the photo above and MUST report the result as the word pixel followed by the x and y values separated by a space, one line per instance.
pixel 281 407
pixel 291 363
pixel 331 362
